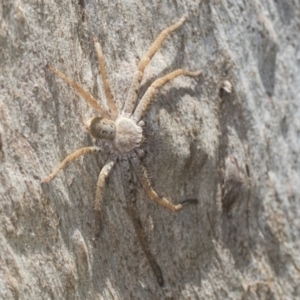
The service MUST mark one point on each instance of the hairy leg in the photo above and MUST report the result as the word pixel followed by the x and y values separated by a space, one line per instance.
pixel 109 96
pixel 126 179
pixel 86 95
pixel 133 91
pixel 141 173
pixel 148 97
pixel 99 193
pixel 131 207
pixel 70 158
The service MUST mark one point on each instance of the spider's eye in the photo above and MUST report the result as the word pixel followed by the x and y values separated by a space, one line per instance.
pixel 101 128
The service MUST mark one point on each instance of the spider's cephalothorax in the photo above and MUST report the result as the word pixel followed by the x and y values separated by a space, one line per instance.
pixel 123 130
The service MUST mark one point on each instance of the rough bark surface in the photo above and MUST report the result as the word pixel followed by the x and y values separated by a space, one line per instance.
pixel 236 152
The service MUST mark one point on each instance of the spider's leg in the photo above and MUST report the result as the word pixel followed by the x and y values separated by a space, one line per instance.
pixel 131 207
pixel 70 158
pixel 109 96
pixel 126 178
pixel 133 91
pixel 86 95
pixel 141 173
pixel 120 187
pixel 99 192
pixel 148 96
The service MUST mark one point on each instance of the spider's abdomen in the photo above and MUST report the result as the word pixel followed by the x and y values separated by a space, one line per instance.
pixel 128 135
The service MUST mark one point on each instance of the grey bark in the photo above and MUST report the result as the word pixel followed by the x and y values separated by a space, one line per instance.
pixel 236 152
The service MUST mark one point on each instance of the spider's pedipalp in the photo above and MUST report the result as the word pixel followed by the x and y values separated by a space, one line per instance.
pixel 133 91
pixel 140 152
pixel 99 192
pixel 109 96
pixel 148 96
pixel 141 123
pixel 70 158
pixel 86 95
pixel 142 175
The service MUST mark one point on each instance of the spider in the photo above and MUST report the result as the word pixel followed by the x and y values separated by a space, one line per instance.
pixel 122 129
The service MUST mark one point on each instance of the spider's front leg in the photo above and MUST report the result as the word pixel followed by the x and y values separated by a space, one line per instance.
pixel 109 96
pixel 141 173
pixel 133 91
pixel 86 95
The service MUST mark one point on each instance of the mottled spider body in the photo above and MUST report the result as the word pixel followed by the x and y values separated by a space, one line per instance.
pixel 124 133
pixel 128 135
pixel 123 129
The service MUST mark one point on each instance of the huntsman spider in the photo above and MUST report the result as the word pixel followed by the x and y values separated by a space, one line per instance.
pixel 122 129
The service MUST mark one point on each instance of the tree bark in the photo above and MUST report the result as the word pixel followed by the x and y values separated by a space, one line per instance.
pixel 229 138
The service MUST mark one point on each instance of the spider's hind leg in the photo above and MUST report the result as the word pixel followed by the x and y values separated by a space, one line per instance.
pixel 99 193
pixel 189 201
pixel 141 173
